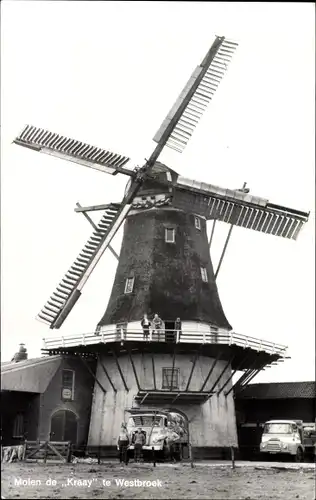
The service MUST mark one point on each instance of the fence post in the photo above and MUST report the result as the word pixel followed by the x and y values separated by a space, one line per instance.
pixel 191 455
pixel 69 452
pixel 232 456
pixel 45 451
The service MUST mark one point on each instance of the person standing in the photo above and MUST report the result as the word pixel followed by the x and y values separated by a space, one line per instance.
pixel 139 442
pixel 145 326
pixel 122 443
pixel 157 323
pixel 177 327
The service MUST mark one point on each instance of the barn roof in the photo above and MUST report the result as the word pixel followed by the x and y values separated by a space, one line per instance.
pixel 279 390
pixel 31 375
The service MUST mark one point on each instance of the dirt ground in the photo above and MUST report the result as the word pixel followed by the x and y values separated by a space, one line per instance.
pixel 167 482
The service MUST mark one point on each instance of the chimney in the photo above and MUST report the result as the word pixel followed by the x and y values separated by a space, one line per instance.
pixel 21 355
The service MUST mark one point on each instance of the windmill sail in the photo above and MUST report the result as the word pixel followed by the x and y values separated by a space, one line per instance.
pixel 69 289
pixel 72 150
pixel 185 114
pixel 238 208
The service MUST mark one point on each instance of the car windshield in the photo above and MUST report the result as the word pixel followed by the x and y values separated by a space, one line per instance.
pixel 277 428
pixel 145 421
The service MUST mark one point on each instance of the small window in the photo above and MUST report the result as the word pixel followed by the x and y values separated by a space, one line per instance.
pixel 129 285
pixel 204 274
pixel 197 222
pixel 170 235
pixel 68 385
pixel 167 373
pixel 18 426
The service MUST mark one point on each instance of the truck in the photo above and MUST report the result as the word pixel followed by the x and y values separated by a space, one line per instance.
pixel 290 438
pixel 163 429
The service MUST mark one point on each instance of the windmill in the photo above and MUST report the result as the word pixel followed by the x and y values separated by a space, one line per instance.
pixel 164 267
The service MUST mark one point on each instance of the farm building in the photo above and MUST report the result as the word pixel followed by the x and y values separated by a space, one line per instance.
pixel 50 398
pixel 47 398
pixel 258 403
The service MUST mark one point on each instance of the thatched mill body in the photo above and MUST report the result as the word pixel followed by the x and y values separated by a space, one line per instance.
pixel 164 268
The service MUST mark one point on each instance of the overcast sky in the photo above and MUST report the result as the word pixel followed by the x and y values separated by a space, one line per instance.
pixel 107 74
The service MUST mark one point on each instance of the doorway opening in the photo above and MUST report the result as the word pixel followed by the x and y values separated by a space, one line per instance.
pixel 170 334
pixel 64 426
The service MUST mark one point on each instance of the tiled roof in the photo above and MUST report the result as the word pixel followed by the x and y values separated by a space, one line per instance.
pixel 279 390
pixel 31 375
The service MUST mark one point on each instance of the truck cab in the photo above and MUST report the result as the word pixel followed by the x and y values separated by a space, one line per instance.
pixel 286 437
pixel 161 429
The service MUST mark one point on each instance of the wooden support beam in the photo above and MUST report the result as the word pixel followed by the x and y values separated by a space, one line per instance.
pixel 228 380
pixel 92 374
pixel 211 370
pixel 222 373
pixel 175 398
pixel 255 372
pixel 249 375
pixel 133 366
pixel 107 375
pixel 92 208
pixel 192 369
pixel 224 250
pixel 244 377
pixel 233 373
pixel 253 375
pixel 113 252
pixel 144 398
pixel 212 233
pixel 173 362
pixel 120 370
pixel 95 227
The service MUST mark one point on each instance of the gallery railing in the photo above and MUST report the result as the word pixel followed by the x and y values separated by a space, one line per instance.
pixel 187 336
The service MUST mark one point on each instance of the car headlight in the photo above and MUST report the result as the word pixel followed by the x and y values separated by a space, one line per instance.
pixel 284 446
pixel 263 445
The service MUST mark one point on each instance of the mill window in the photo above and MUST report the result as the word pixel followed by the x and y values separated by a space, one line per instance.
pixel 129 285
pixel 197 222
pixel 204 274
pixel 170 375
pixel 169 235
pixel 68 385
pixel 18 426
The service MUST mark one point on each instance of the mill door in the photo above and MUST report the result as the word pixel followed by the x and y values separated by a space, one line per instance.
pixel 64 426
pixel 170 334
